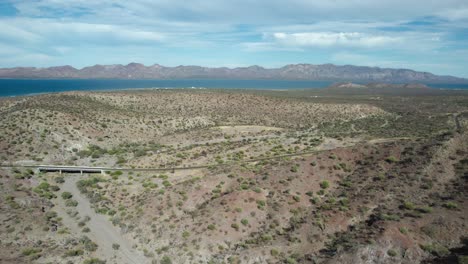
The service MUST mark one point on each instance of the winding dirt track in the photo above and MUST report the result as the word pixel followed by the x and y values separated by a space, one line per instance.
pixel 103 232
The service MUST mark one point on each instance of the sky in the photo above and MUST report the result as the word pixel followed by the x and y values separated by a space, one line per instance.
pixel 424 35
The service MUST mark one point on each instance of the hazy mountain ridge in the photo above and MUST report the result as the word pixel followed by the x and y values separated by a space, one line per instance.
pixel 288 72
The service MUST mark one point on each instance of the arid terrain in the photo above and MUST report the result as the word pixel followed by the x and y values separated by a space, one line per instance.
pixel 235 176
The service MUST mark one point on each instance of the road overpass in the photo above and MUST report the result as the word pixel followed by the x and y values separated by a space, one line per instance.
pixel 70 169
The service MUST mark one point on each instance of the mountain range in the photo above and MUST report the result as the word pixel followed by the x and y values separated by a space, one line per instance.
pixel 288 72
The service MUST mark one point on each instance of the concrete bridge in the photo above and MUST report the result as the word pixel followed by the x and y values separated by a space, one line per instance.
pixel 71 169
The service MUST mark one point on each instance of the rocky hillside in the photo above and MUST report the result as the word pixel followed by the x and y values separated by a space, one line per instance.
pixel 288 72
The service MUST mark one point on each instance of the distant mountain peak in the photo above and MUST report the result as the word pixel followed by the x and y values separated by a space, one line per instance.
pixel 300 71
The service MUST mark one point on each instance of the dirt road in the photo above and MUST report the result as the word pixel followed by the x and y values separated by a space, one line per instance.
pixel 102 232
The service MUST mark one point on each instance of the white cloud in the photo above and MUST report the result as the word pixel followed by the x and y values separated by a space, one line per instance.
pixel 30 30
pixel 240 11
pixel 327 39
pixel 455 13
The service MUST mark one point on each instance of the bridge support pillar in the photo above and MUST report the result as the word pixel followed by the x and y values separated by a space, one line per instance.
pixel 81 172
pixel 60 172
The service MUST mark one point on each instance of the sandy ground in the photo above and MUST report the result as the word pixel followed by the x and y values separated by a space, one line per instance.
pixel 102 232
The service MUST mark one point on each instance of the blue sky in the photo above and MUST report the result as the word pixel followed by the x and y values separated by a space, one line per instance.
pixel 425 35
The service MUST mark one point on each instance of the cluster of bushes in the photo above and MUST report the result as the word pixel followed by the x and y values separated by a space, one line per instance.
pixel 413 210
pixel 32 253
pixel 92 182
pixel 45 190
pixel 88 244
pixel 93 151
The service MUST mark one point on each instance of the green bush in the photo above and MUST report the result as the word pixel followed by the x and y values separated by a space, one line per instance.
pixel 462 259
pixel 74 252
pixel 324 184
pixel 435 249
pixel 67 195
pixel 166 260
pixel 59 179
pixel 94 261
pixel 408 205
pixel 450 205
pixel 71 203
pixel 30 251
pixel 391 253
pixel 50 215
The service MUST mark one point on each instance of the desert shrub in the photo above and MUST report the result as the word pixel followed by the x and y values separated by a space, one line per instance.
pixel 391 253
pixel 261 204
pixel 74 252
pixel 166 183
pixel 88 244
pixel 44 190
pixel 30 251
pixel 450 205
pixel 235 226
pixel 295 168
pixel 391 159
pixel 71 203
pixel 139 153
pixel 424 209
pixel 94 261
pixel 50 215
pixel 324 184
pixel 115 246
pixel 463 259
pixel 116 173
pixel 166 260
pixel 435 249
pixel 407 205
pixel 390 217
pixel 211 227
pixel 67 195
pixel 91 182
pixel 59 179
pixel 244 221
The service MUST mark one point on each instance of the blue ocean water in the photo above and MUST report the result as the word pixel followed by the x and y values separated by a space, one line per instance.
pixel 17 87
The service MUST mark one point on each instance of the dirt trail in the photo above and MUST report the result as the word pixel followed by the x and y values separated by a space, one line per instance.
pixel 103 232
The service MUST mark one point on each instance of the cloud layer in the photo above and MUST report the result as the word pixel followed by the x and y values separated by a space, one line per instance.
pixel 427 35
